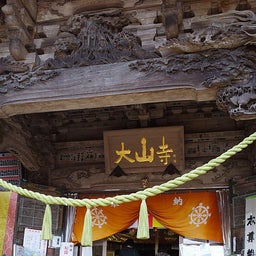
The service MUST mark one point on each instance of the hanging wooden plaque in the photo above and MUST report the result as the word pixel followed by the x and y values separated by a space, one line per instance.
pixel 144 150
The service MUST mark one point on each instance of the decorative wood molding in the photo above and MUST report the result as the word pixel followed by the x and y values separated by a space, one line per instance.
pixel 102 89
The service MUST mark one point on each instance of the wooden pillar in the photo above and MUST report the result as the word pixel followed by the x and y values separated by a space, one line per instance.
pixel 172 17
pixel 157 242
pixel 215 7
pixel 20 28
pixel 243 5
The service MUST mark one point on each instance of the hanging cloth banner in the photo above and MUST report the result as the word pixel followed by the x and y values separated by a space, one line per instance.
pixel 106 221
pixel 193 215
pixel 8 203
pixel 250 225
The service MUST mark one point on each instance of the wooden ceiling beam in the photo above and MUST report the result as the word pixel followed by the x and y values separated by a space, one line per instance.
pixel 104 86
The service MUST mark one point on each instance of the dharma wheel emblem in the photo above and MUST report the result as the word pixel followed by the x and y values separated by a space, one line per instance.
pixel 98 217
pixel 199 215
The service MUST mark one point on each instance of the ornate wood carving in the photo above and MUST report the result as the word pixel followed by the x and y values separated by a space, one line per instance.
pixel 239 100
pixel 17 75
pixel 85 40
pixel 232 69
pixel 228 70
pixel 227 30
pixel 216 68
pixel 8 65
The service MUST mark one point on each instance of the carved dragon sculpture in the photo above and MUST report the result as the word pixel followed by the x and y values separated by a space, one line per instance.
pixel 221 31
pixel 231 71
pixel 239 100
pixel 83 40
pixel 10 65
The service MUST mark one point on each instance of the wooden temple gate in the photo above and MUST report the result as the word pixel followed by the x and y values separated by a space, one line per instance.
pixel 72 71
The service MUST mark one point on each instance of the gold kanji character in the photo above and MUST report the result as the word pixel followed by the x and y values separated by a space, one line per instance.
pixel 123 154
pixel 144 157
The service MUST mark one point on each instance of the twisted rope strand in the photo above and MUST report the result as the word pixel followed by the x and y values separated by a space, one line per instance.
pixel 140 195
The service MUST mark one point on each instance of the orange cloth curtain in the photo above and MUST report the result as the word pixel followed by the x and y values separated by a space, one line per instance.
pixel 192 214
pixel 107 220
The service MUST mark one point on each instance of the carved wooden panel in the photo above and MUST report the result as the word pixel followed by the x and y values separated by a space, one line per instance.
pixel 211 144
pixel 197 145
pixel 199 149
pixel 79 153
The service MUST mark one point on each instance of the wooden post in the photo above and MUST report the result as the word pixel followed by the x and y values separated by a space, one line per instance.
pixel 172 15
pixel 156 242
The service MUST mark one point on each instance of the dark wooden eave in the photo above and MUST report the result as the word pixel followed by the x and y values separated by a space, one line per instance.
pixel 103 86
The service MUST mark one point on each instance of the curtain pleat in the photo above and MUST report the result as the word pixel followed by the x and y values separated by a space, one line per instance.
pixel 224 203
pixel 69 223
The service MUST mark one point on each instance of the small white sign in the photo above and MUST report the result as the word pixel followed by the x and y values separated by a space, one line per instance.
pixel 250 225
pixel 18 250
pixel 32 243
pixel 55 242
pixel 66 249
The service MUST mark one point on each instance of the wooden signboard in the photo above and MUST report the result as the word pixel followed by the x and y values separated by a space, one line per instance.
pixel 79 153
pixel 144 150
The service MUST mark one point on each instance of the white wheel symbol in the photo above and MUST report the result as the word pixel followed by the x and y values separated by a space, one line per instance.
pixel 199 215
pixel 98 218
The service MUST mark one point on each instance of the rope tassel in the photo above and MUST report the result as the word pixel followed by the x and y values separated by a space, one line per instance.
pixel 47 224
pixel 87 229
pixel 143 226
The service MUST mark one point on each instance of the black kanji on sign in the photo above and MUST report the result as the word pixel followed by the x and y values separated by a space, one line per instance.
pixel 250 252
pixel 250 236
pixel 251 220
